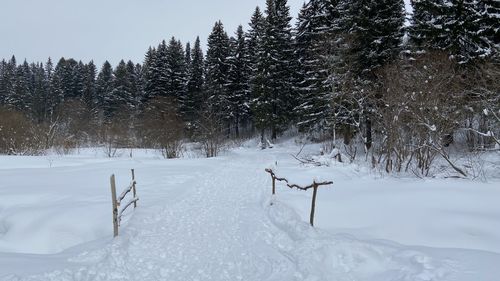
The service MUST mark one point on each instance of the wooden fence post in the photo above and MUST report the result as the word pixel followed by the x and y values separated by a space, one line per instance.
pixel 133 188
pixel 115 206
pixel 274 185
pixel 313 204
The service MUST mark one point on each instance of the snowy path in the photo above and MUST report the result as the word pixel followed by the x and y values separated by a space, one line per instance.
pixel 222 228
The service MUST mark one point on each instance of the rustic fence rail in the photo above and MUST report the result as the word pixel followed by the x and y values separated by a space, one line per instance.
pixel 315 185
pixel 116 202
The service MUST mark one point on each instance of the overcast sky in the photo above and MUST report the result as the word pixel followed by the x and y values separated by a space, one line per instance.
pixel 112 29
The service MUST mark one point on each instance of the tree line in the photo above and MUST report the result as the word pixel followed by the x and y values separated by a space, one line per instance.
pixel 359 70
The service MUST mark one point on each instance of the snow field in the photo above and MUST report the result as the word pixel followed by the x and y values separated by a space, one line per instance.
pixel 211 219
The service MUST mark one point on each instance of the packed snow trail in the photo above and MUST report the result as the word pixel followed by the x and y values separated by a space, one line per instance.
pixel 223 228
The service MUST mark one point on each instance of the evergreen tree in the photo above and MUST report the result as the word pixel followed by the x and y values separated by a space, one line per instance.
pixel 254 38
pixel 40 108
pixel 89 86
pixel 467 29
pixel 121 96
pixel 217 69
pixel 188 55
pixel 148 75
pixel 488 12
pixel 22 95
pixel 238 85
pixel 67 82
pixel 8 77
pixel 274 103
pixel 159 70
pixel 176 71
pixel 134 75
pixel 104 89
pixel 3 65
pixel 314 43
pixel 52 98
pixel 372 37
pixel 194 95
pixel 375 35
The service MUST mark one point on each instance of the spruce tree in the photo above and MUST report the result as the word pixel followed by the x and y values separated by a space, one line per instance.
pixel 148 75
pixel 314 43
pixel 254 38
pixel 372 37
pixel 8 81
pixel 22 95
pixel 104 89
pixel 89 86
pixel 194 95
pixel 467 29
pixel 121 96
pixel 217 69
pixel 159 72
pixel 134 74
pixel 40 88
pixel 274 101
pixel 238 84
pixel 188 55
pixel 376 32
pixel 176 71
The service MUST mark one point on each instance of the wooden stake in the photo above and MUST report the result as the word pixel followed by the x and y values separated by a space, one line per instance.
pixel 115 206
pixel 274 185
pixel 133 188
pixel 313 205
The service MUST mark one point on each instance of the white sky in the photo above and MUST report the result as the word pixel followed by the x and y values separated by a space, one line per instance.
pixel 112 29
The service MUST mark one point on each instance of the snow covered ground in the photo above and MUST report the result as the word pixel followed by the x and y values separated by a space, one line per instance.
pixel 211 219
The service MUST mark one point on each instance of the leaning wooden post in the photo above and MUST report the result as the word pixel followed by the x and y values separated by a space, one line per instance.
pixel 115 206
pixel 133 188
pixel 313 205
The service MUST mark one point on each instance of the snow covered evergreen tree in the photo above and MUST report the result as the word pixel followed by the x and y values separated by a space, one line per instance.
pixel 22 96
pixel 217 69
pixel 134 74
pixel 40 87
pixel 313 48
pixel 188 56
pixel 274 101
pixel 467 29
pixel 194 95
pixel 371 37
pixel 7 82
pixel 122 96
pixel 158 79
pixel 89 87
pixel 104 89
pixel 238 77
pixel 254 37
pixel 148 75
pixel 176 73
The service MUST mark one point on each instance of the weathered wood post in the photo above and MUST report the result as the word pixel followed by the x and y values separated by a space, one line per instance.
pixel 133 188
pixel 313 204
pixel 115 206
pixel 274 184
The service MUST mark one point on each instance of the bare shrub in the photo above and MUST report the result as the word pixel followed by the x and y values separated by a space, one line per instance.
pixel 18 135
pixel 71 126
pixel 416 115
pixel 162 128
pixel 210 132
pixel 481 83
